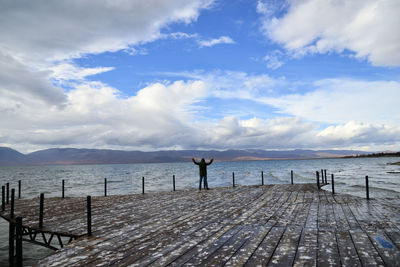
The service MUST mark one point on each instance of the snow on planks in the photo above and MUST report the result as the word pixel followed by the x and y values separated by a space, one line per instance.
pixel 272 225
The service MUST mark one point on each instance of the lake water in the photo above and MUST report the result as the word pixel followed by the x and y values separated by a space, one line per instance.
pixel 83 180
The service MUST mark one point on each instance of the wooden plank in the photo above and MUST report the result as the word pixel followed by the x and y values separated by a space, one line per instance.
pixel 386 249
pixel 228 249
pixel 288 214
pixel 312 218
pixel 285 252
pixel 394 237
pixel 351 219
pixel 366 251
pixel 322 216
pixel 328 254
pixel 386 213
pixel 330 212
pixel 347 251
pixel 307 249
pixel 161 249
pixel 249 247
pixel 271 205
pixel 264 251
pixel 341 220
pixel 364 218
pixel 284 205
pixel 202 254
pixel 300 218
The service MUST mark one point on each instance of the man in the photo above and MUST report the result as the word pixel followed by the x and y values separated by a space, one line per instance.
pixel 203 171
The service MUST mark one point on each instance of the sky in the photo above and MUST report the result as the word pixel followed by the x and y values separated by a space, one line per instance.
pixel 200 74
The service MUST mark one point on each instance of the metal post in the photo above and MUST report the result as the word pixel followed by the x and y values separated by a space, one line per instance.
pixel 89 215
pixel 143 185
pixel 326 178
pixel 63 189
pixel 41 210
pixel 367 186
pixel 11 231
pixel 12 203
pixel 7 193
pixel 105 187
pixel 322 177
pixel 291 176
pixel 317 174
pixel 18 241
pixel 262 178
pixel 233 179
pixel 3 198
pixel 173 181
pixel 19 188
pixel 11 243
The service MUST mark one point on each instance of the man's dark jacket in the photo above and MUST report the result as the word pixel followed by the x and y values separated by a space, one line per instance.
pixel 203 166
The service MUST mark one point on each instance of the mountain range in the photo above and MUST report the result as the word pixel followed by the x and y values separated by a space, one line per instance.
pixel 63 156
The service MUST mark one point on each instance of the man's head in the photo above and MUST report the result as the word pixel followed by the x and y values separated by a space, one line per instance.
pixel 203 160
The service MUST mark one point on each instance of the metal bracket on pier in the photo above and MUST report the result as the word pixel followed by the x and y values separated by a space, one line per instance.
pixel 46 239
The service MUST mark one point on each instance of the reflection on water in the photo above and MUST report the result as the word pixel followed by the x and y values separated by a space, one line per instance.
pixel 82 180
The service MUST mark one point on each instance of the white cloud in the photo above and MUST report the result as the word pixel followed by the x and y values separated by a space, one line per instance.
pixel 262 7
pixel 369 28
pixel 96 116
pixel 56 30
pixel 38 39
pixel 216 41
pixel 19 81
pixel 279 133
pixel 353 132
pixel 69 71
pixel 291 133
pixel 183 35
pixel 343 100
pixel 236 84
pixel 274 59
pixel 132 51
pixel 353 113
pixel 363 136
pixel 166 115
pixel 269 7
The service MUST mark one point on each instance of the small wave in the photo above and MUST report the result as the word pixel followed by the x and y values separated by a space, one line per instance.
pixel 295 174
pixel 115 181
pixel 374 188
pixel 385 183
pixel 337 182
pixel 275 176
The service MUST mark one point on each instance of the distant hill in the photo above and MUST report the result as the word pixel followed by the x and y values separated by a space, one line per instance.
pixel 10 156
pixel 53 156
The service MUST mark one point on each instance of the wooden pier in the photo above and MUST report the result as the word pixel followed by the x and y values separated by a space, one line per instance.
pixel 273 225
